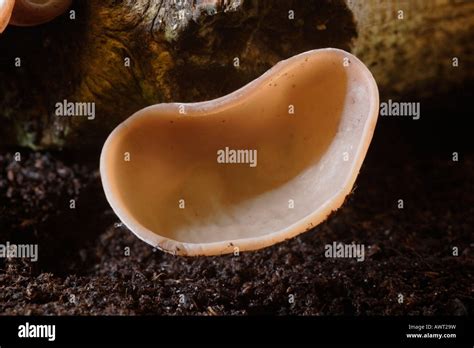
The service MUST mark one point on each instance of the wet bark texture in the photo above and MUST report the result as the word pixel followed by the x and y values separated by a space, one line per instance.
pixel 183 51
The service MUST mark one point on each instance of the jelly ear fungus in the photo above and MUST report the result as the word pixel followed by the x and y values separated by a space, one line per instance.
pixel 308 123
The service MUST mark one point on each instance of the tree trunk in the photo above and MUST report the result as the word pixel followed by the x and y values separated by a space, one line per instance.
pixel 411 52
pixel 125 55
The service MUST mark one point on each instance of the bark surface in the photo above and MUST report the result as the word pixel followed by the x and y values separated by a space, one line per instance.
pixel 125 55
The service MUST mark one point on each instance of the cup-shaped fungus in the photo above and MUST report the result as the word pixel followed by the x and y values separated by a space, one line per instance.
pixel 245 171
pixel 6 8
pixel 34 12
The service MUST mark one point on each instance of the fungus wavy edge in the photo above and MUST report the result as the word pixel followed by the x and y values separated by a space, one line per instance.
pixel 245 244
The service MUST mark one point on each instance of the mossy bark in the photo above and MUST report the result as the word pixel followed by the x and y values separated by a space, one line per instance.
pixel 411 46
pixel 182 51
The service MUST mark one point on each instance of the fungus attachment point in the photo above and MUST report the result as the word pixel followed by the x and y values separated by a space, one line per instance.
pixel 241 171
pixel 34 12
pixel 6 8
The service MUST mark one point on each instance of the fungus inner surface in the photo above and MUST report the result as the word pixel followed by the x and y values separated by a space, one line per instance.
pixel 304 120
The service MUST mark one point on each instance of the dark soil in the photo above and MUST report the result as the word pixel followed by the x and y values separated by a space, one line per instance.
pixel 83 269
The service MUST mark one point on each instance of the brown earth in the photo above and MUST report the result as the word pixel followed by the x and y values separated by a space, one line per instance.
pixel 82 267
